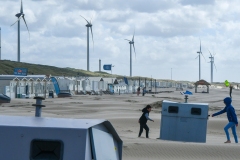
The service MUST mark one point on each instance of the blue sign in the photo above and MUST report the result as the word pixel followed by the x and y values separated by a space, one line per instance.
pixel 107 67
pixel 20 71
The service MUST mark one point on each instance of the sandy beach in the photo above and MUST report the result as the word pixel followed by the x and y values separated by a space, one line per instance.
pixel 124 110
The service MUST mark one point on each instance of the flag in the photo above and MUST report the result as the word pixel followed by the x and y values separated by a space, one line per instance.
pixel 125 80
pixel 107 67
pixel 55 84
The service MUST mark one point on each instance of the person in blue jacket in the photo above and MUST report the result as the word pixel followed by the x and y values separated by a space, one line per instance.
pixel 143 120
pixel 232 118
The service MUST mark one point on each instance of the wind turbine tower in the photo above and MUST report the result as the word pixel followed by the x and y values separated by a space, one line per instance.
pixel 131 43
pixel 0 45
pixel 88 25
pixel 19 16
pixel 199 56
pixel 212 63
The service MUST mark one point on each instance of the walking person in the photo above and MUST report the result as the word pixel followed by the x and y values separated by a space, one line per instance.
pixel 138 91
pixel 143 91
pixel 232 118
pixel 143 120
pixel 230 91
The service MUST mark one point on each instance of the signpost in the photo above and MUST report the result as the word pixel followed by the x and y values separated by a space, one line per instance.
pixel 20 71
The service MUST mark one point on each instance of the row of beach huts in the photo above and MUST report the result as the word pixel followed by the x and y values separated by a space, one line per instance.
pixel 41 85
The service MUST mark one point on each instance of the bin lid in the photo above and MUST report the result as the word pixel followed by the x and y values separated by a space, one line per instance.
pixel 191 110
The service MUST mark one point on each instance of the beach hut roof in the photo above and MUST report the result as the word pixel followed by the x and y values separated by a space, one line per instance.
pixel 22 78
pixel 30 79
pixel 94 78
pixel 47 122
pixel 16 79
pixel 202 82
pixel 7 77
pixel 109 80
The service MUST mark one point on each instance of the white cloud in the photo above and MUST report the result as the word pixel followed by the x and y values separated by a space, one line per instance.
pixel 167 35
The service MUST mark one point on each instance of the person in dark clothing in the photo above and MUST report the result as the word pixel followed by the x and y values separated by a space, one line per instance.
pixel 232 118
pixel 230 91
pixel 143 91
pixel 143 120
pixel 138 91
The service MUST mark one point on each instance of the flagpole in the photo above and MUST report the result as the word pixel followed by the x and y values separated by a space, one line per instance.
pixel 111 68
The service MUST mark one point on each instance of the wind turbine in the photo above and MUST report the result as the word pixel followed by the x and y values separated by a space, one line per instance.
pixel 131 43
pixel 19 16
pixel 89 25
pixel 199 56
pixel 0 45
pixel 212 63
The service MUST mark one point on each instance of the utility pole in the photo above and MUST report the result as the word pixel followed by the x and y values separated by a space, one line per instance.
pixel 99 65
pixel 171 73
pixel 111 68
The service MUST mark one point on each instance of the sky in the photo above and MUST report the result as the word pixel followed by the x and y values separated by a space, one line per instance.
pixel 167 36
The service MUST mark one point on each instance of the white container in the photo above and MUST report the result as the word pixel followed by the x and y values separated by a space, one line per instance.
pixel 184 121
pixel 58 139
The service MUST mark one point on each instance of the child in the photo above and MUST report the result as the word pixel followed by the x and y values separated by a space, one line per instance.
pixel 232 118
pixel 143 120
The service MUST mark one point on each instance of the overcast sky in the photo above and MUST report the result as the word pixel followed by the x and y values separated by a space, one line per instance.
pixel 167 35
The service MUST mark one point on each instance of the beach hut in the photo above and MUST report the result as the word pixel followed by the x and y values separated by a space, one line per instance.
pixel 37 138
pixel 202 82
pixel 95 84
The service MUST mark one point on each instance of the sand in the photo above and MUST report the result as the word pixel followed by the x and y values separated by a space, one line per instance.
pixel 123 111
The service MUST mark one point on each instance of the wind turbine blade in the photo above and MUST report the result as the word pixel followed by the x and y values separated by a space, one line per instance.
pixel 210 52
pixel 200 45
pixel 133 35
pixel 92 37
pixel 203 57
pixel 134 50
pixel 85 19
pixel 215 66
pixel 26 25
pixel 127 40
pixel 196 57
pixel 17 20
pixel 201 50
pixel 21 10
pixel 91 20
